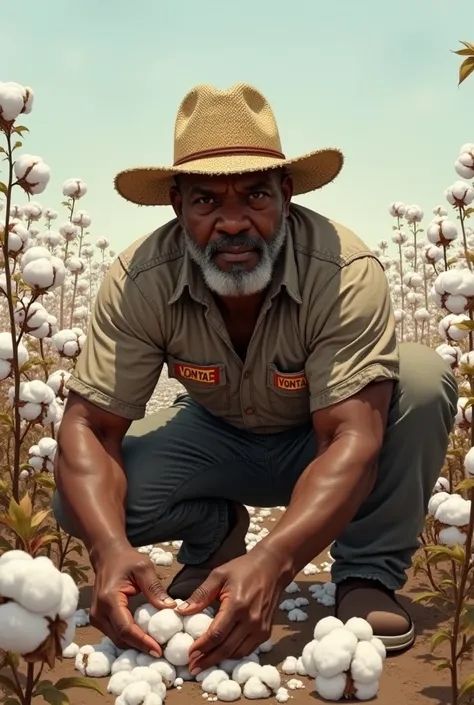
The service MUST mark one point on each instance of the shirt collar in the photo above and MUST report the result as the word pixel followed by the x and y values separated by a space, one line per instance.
pixel 285 275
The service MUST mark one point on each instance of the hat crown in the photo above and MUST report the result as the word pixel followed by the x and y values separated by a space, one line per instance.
pixel 210 119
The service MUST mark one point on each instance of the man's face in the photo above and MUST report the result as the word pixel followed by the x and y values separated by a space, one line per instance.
pixel 235 227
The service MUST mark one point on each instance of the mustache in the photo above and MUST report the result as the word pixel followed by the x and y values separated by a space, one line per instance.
pixel 226 241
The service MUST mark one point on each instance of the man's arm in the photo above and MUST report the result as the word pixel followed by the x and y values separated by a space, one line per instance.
pixel 90 475
pixel 336 483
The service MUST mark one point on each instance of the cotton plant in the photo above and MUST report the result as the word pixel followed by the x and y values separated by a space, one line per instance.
pixel 37 607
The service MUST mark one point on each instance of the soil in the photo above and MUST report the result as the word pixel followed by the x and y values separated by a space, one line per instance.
pixel 409 678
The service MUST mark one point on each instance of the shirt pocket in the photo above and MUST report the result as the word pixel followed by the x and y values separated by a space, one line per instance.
pixel 288 394
pixel 205 384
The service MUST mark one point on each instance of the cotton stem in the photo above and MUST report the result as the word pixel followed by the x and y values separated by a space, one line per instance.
pixel 462 218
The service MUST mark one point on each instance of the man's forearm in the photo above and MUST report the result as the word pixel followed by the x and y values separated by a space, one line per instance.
pixel 325 499
pixel 93 486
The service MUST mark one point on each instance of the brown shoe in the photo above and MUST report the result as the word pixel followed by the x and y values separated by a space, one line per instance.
pixel 370 600
pixel 190 577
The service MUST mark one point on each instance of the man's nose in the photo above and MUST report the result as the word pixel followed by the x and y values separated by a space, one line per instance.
pixel 232 221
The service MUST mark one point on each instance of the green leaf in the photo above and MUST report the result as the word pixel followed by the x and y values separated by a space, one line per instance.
pixel 51 694
pixel 439 638
pixel 466 68
pixel 3 188
pixel 17 145
pixel 467 686
pixel 78 682
pixel 20 129
pixel 442 665
pixel 465 325
pixel 2 151
pixel 8 684
pixel 465 485
pixel 426 596
pixel 12 701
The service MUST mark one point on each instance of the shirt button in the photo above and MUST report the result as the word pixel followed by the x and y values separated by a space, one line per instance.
pixel 246 374
pixel 249 410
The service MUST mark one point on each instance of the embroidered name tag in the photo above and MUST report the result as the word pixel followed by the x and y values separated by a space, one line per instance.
pixel 290 382
pixel 194 373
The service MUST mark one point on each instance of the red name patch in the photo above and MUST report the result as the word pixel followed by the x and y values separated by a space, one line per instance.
pixel 290 382
pixel 194 373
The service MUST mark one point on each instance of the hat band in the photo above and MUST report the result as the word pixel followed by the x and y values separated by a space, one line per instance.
pixel 229 151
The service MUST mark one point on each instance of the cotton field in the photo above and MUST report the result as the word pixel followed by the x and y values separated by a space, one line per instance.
pixel 52 266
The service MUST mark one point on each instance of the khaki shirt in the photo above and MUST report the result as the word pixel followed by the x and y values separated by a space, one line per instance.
pixel 326 329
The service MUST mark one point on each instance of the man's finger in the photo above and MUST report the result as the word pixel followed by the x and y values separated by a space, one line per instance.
pixel 224 650
pixel 203 596
pixel 153 589
pixel 130 633
pixel 219 630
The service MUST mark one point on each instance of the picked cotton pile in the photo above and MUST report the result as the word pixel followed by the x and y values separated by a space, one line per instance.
pixel 157 555
pixel 345 659
pixel 37 607
pixel 324 593
pixel 451 514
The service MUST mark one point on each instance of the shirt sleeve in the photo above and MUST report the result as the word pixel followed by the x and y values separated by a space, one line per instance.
pixel 351 334
pixel 122 359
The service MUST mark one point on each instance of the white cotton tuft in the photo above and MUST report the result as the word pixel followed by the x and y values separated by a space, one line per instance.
pixel 289 665
pixel 308 660
pixel 255 689
pixel 360 627
pixel 282 695
pixel 367 664
pixel 210 683
pixel 331 688
pixel 197 624
pixel 228 691
pixel 292 588
pixel 366 691
pixel 177 649
pixel 297 615
pixel 135 693
pixel 166 670
pixel 266 647
pixel 379 646
pixel 126 661
pixel 326 626
pixel 436 501
pixel 333 654
pixel 118 682
pixel 163 625
pixel 245 670
pixel 71 651
pixel 270 677
pixel 143 614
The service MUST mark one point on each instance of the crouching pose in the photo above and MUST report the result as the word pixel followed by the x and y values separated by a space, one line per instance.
pixel 278 323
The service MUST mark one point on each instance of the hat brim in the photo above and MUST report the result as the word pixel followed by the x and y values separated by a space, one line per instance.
pixel 150 186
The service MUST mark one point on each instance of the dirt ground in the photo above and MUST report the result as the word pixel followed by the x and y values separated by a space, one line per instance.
pixel 408 678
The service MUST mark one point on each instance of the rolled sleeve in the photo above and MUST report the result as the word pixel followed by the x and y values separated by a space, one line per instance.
pixel 352 337
pixel 122 359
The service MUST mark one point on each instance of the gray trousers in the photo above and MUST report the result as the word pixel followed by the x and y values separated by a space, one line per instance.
pixel 184 466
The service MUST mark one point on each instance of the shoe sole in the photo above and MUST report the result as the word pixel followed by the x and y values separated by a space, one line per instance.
pixel 400 642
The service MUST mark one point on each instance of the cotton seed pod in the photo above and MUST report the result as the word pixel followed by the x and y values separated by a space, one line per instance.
pixel 102 243
pixel 163 625
pixel 422 315
pixel 228 691
pixel 432 254
pixel 82 219
pixel 326 626
pixel 74 188
pixel 18 237
pixel 57 381
pixel 464 165
pixel 32 173
pixel 399 237
pixel 118 682
pixel 177 649
pixel 463 416
pixel 452 536
pixel 449 330
pixel 166 670
pixel 442 485
pixel 397 209
pixel 436 501
pixel 459 194
pixel 455 511
pixel 331 688
pixel 413 280
pixel 450 354
pixel 14 100
pixel 442 233
pixel 254 689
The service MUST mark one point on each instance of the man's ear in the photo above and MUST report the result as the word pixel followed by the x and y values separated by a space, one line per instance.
pixel 176 199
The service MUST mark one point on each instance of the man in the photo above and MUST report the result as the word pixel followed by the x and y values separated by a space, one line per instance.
pixel 278 323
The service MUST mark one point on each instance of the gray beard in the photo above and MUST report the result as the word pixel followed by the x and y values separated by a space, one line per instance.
pixel 238 281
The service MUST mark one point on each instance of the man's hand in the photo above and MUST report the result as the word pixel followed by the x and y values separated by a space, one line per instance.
pixel 248 588
pixel 120 574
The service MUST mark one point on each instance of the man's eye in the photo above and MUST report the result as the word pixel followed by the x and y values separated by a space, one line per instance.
pixel 258 195
pixel 206 200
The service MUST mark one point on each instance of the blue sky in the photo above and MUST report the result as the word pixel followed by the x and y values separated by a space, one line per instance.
pixel 376 79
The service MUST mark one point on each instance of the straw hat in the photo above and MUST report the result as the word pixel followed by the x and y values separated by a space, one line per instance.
pixel 226 132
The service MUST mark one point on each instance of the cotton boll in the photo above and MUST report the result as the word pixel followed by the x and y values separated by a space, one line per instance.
pixel 379 646
pixel 292 588
pixel 209 684
pixel 68 636
pixel 245 670
pixel 331 688
pixel 452 536
pixel 270 677
pixel 197 624
pixel 333 654
pixel 367 664
pixel 184 673
pixel 366 691
pixel 153 699
pixel 87 649
pixel 301 602
pixel 207 672
pixel 295 684
pixel 135 693
pixel 20 631
pixel 165 669
pixel 289 665
pixel 69 597
pixel 71 651
pixel 118 682
pixel 297 615
pixel 287 605
pixel 326 626
pixel 255 689
pixel 228 691
pixel 163 625
pixel 125 662
pixel 266 647
pixel 81 618
pixel 282 695
pixel 98 664
pixel 177 649
pixel 360 627
pixel 300 667
pixel 143 615
pixel 41 592
pixel 436 501
pixel 14 555
pixel 308 660
pixel 454 511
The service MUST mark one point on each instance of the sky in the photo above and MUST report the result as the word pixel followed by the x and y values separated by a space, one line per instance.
pixel 377 79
